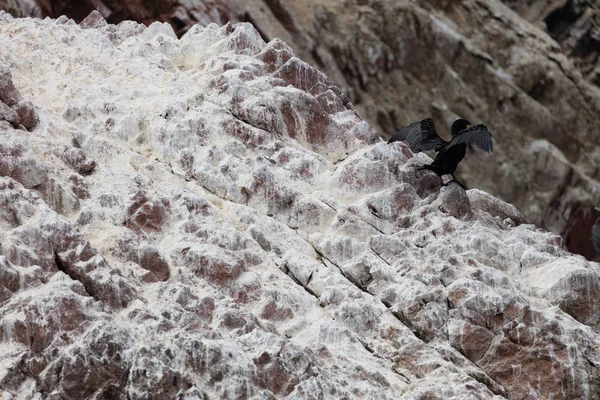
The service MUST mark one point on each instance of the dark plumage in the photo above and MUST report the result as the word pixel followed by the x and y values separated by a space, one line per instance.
pixel 596 234
pixel 421 136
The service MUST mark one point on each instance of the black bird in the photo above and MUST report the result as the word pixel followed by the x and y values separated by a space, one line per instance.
pixel 421 136
pixel 596 234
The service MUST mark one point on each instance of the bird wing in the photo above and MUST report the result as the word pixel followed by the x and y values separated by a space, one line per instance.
pixel 421 136
pixel 477 135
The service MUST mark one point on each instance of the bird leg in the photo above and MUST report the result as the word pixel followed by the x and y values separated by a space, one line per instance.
pixel 457 181
pixel 452 180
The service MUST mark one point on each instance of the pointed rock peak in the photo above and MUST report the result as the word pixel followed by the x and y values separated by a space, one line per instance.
pixel 157 28
pixel 94 20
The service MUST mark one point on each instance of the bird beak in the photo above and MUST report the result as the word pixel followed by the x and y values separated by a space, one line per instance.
pixel 470 126
pixel 597 209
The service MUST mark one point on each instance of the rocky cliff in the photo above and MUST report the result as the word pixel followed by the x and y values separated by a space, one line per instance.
pixel 402 61
pixel 532 77
pixel 575 24
pixel 209 217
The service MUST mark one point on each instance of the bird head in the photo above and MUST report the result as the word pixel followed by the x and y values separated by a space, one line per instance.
pixel 459 125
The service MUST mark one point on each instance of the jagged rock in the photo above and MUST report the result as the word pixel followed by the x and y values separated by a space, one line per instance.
pixel 402 65
pixel 153 261
pixel 192 227
pixel 59 247
pixel 27 115
pixel 9 94
pixel 76 159
pixel 483 201
pixel 181 14
pixel 94 20
pixel 144 215
pixel 13 108
pixel 453 200
pixel 574 24
pixel 569 286
pixel 8 114
pixel 19 162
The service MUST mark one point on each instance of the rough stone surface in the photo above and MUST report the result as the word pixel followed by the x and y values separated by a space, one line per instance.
pixel 485 202
pixel 13 108
pixel 529 76
pixel 209 217
pixel 575 24
pixel 402 61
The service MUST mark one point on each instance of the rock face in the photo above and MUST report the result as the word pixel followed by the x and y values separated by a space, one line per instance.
pixel 209 217
pixel 181 14
pixel 22 8
pixel 575 24
pixel 401 61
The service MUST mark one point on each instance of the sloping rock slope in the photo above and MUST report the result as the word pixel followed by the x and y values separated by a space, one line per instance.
pixel 403 60
pixel 208 217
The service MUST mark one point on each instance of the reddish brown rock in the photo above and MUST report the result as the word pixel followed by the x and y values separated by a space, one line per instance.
pixel 102 371
pixel 470 339
pixel 267 191
pixel 275 376
pixel 272 312
pixel 27 114
pixel 145 216
pixel 275 54
pixel 77 159
pixel 393 203
pixel 214 264
pixel 20 163
pixel 548 375
pixel 152 260
pixel 453 200
pixel 483 201
pixel 79 186
pixel 302 76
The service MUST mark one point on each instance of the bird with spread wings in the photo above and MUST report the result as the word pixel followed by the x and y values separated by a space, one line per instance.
pixel 421 136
